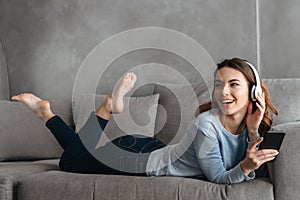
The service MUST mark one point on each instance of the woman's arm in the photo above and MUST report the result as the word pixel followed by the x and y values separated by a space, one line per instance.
pixel 211 161
pixel 255 158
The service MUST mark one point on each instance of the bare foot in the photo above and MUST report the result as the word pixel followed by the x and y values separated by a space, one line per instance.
pixel 38 106
pixel 114 102
pixel 126 85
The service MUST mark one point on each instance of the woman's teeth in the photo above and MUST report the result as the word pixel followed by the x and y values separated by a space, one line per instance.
pixel 227 101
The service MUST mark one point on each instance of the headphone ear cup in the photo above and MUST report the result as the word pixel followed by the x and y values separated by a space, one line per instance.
pixel 252 93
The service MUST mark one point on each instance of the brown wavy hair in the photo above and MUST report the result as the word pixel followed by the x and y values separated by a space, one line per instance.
pixel 242 66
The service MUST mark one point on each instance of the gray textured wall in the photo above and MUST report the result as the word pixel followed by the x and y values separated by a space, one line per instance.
pixel 46 41
pixel 280 44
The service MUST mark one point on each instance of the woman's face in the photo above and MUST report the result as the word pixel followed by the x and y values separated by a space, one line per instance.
pixel 231 91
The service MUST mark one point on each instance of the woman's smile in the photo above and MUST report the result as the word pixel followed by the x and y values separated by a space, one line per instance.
pixel 231 91
pixel 227 101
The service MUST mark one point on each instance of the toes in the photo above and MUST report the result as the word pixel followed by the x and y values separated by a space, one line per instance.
pixel 24 96
pixel 16 97
pixel 134 78
pixel 131 76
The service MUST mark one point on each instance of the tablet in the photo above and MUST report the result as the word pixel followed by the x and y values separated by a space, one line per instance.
pixel 272 140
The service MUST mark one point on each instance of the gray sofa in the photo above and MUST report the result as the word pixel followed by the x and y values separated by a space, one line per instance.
pixel 29 154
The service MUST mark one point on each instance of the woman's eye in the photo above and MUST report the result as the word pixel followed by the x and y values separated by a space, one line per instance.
pixel 234 84
pixel 218 85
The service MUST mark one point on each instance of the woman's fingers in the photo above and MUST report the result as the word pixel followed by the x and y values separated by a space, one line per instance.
pixel 266 153
pixel 261 104
pixel 263 156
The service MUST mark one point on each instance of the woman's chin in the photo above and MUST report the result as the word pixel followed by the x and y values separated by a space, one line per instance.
pixel 225 111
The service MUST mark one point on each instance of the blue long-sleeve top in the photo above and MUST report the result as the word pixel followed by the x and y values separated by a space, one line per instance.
pixel 206 151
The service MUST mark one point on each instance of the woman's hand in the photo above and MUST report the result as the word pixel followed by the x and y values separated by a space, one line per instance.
pixel 255 158
pixel 253 120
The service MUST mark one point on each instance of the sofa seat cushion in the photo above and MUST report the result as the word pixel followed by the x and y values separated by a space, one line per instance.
pixel 11 172
pixel 260 188
pixel 136 188
pixel 192 189
pixel 88 186
pixel 57 185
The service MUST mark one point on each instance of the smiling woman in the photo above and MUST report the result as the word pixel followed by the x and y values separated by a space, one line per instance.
pixel 231 93
pixel 219 145
pixel 234 83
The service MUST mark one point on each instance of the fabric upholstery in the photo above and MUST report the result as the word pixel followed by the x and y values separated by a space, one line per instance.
pixel 285 173
pixel 286 126
pixel 193 189
pixel 6 187
pixel 285 96
pixel 107 187
pixel 59 185
pixel 136 188
pixel 253 189
pixel 23 135
pixel 178 106
pixel 4 84
pixel 12 172
pixel 138 117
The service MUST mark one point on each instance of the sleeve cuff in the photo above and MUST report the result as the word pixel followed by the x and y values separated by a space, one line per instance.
pixel 249 143
pixel 250 176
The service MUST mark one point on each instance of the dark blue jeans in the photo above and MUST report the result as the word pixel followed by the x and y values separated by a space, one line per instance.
pixel 126 155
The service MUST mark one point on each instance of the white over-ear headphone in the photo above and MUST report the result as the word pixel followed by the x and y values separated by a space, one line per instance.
pixel 256 88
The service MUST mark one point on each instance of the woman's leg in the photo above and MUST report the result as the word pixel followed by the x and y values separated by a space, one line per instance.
pixel 61 131
pixel 76 157
pixel 138 144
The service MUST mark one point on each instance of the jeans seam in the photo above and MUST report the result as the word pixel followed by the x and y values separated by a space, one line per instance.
pixel 130 147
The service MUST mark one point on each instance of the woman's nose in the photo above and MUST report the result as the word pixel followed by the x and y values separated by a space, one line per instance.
pixel 225 90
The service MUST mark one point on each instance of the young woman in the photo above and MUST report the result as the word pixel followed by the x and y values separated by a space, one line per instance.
pixel 220 145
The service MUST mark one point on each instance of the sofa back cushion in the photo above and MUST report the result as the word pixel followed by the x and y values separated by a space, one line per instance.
pixel 24 136
pixel 178 106
pixel 285 97
pixel 4 85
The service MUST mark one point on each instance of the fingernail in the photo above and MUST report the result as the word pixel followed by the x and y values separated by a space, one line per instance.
pixel 275 151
